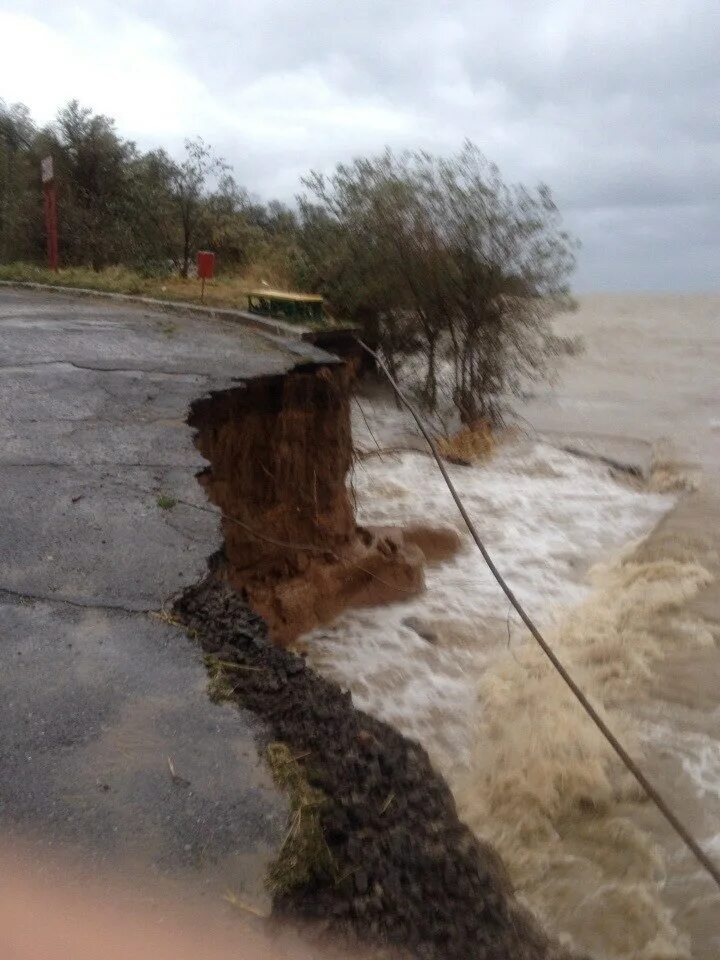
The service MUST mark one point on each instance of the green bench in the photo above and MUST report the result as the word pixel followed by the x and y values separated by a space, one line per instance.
pixel 293 307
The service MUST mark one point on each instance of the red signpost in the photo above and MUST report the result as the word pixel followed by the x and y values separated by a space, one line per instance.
pixel 205 269
pixel 50 204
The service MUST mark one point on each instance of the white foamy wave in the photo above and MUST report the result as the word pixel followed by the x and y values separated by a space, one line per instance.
pixel 545 515
pixel 530 773
pixel 698 753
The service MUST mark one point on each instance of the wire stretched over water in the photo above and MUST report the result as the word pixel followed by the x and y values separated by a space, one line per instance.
pixel 682 831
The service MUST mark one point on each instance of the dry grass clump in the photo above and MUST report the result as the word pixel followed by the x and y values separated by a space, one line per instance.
pixel 470 444
pixel 304 853
pixel 220 686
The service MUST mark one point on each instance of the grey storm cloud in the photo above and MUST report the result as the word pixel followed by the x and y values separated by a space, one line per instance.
pixel 614 105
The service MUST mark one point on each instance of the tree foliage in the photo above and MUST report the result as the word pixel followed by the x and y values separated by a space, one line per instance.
pixel 17 209
pixel 189 180
pixel 439 256
pixel 118 205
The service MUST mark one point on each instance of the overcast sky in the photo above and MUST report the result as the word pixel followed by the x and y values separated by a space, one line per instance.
pixel 616 105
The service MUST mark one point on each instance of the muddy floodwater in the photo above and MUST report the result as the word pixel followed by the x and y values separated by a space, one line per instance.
pixel 622 574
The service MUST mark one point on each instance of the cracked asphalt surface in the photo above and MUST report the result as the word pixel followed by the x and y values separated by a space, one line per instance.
pixel 97 692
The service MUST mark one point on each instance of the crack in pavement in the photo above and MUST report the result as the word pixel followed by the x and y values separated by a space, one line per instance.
pixel 86 604
pixel 86 366
pixel 83 468
pixel 95 420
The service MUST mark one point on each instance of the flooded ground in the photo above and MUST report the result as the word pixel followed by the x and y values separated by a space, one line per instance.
pixel 453 669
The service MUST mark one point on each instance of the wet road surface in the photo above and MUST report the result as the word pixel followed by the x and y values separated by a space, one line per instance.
pixel 100 698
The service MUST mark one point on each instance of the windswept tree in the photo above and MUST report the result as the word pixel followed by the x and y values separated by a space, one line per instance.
pixel 153 234
pixel 190 180
pixel 225 228
pixel 16 135
pixel 93 166
pixel 440 256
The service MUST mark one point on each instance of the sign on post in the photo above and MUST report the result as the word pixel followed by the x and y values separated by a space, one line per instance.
pixel 46 169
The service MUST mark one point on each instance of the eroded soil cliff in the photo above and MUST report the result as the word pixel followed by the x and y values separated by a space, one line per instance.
pixel 279 450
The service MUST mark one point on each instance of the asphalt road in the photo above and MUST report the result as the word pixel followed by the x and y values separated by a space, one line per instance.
pixel 97 695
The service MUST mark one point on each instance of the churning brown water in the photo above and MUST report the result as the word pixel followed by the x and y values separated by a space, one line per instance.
pixel 639 630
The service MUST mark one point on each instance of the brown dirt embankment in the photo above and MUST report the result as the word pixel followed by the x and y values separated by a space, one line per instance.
pixel 279 450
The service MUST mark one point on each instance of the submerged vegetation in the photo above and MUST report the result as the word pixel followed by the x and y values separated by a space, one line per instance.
pixel 443 266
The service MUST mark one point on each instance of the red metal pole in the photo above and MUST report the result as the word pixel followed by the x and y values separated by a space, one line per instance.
pixel 46 210
pixel 50 203
pixel 53 210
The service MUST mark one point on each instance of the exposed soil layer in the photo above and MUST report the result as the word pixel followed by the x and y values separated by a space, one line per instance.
pixel 279 450
pixel 406 871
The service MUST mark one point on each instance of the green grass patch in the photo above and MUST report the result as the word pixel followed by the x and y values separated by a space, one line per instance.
pixel 304 853
pixel 166 502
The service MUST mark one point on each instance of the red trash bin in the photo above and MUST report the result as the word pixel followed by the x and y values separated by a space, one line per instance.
pixel 205 269
pixel 205 265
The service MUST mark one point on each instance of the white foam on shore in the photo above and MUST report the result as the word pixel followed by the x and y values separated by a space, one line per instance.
pixel 529 771
pixel 698 753
pixel 545 515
